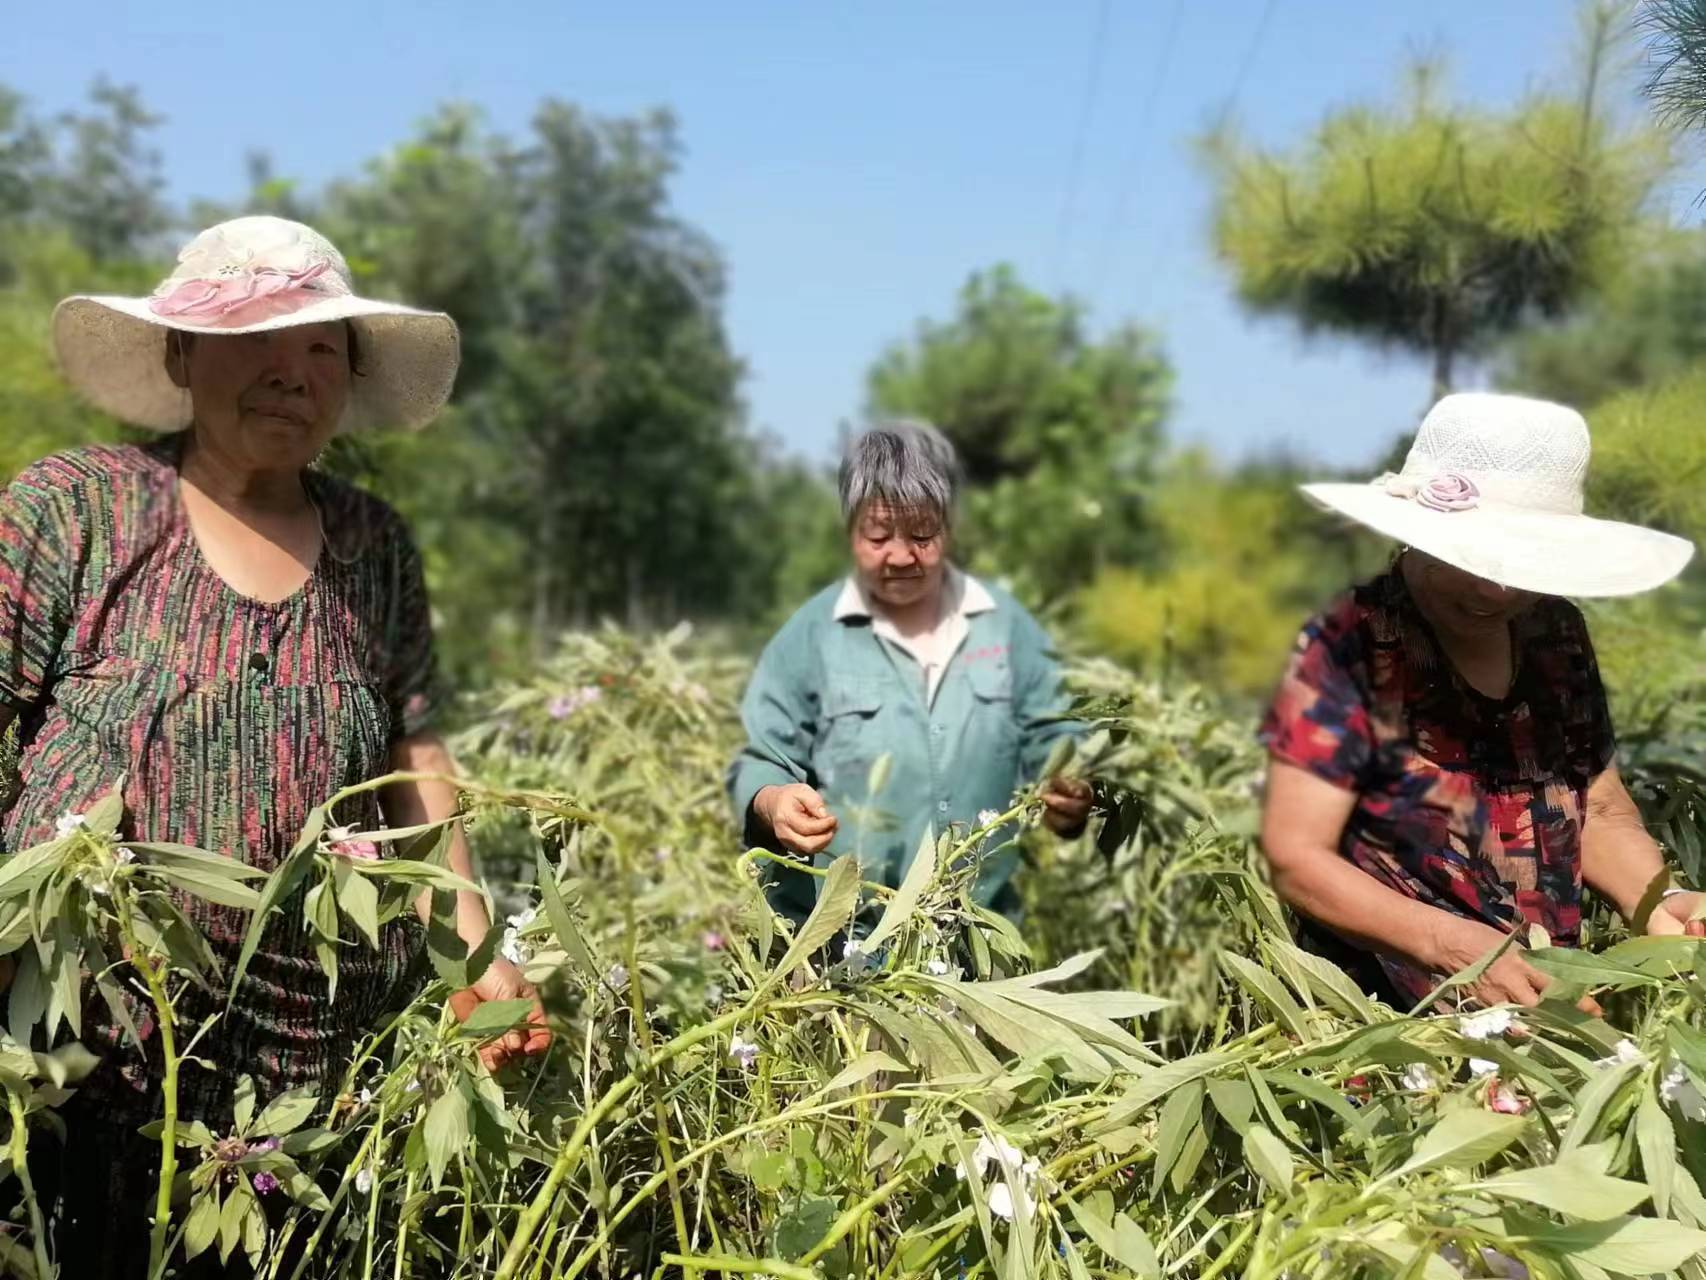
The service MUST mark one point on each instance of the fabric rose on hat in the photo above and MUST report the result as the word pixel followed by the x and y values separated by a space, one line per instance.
pixel 1450 491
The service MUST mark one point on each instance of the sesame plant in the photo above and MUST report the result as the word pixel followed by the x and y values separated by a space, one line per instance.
pixel 904 1084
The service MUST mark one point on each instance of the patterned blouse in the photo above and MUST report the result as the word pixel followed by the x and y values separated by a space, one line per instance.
pixel 1468 803
pixel 125 654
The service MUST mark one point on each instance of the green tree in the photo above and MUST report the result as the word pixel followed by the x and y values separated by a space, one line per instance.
pixel 1059 432
pixel 1434 227
pixel 1646 329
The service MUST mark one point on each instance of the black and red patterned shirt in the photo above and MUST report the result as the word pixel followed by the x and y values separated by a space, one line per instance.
pixel 1468 803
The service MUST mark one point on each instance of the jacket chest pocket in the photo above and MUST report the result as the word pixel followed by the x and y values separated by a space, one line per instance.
pixel 851 732
pixel 994 728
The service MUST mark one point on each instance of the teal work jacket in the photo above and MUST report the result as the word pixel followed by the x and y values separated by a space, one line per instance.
pixel 830 696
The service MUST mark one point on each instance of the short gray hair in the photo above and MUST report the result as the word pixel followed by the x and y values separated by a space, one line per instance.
pixel 905 464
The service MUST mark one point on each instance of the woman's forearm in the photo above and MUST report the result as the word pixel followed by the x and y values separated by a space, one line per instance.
pixel 1325 887
pixel 1619 858
pixel 410 804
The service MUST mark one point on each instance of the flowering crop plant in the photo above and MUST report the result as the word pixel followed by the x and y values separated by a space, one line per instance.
pixel 1146 1078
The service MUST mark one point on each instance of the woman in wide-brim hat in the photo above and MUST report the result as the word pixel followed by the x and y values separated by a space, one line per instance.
pixel 1442 762
pixel 233 636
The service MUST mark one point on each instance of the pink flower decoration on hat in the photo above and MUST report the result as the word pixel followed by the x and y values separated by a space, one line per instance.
pixel 218 299
pixel 1449 491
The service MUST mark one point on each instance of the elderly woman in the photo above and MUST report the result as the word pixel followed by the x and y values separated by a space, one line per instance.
pixel 911 658
pixel 233 636
pixel 1443 769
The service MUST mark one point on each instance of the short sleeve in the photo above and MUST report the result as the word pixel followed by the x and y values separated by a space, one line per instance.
pixel 40 548
pixel 1319 719
pixel 413 688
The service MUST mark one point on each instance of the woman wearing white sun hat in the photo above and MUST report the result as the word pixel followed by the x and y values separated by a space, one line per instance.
pixel 1442 761
pixel 235 635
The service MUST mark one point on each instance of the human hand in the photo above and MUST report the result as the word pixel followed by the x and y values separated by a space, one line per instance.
pixel 503 981
pixel 797 814
pixel 1671 918
pixel 1066 805
pixel 1510 979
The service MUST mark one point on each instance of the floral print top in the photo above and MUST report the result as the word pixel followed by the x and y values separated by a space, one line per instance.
pixel 1468 803
pixel 126 657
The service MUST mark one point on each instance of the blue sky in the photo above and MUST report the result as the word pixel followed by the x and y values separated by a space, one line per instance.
pixel 856 162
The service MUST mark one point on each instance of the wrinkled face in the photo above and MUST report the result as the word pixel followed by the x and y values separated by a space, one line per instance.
pixel 1463 604
pixel 265 401
pixel 899 556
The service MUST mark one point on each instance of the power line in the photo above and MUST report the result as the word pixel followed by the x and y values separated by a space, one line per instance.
pixel 1086 110
pixel 1139 144
pixel 1155 264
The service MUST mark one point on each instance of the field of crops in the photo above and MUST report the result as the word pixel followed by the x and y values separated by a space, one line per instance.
pixel 1146 1079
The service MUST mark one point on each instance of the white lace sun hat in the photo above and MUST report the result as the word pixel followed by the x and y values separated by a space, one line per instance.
pixel 1493 486
pixel 253 275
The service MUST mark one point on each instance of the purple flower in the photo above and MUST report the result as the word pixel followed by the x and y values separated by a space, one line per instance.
pixel 265 1183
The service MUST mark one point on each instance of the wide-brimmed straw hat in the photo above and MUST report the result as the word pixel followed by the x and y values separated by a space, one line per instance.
pixel 254 275
pixel 1493 486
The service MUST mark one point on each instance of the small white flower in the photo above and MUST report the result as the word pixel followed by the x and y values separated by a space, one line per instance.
pixel 1486 1025
pixel 910 1118
pixel 364 1181
pixel 1008 1159
pixel 414 1086
pixel 1090 509
pixel 936 968
pixel 713 995
pixel 1624 1052
pixel 745 1052
pixel 69 823
pixel 511 949
pixel 365 1097
pixel 1482 1067
pixel 1419 1078
pixel 1679 1089
pixel 1001 1200
pixel 333 835
pixel 124 857
pixel 987 817
pixel 854 956
pixel 617 977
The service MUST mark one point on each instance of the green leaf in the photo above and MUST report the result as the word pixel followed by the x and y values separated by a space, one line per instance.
pixel 836 901
pixel 277 890
pixel 492 1018
pixel 1234 1101
pixel 562 923
pixel 905 901
pixel 446 1131
pixel 222 890
pixel 1657 1140
pixel 320 909
pixel 237 1204
pixel 1627 1246
pixel 1330 983
pixel 805 1222
pixel 311 1142
pixel 1179 1115
pixel 254 1232
pixel 1598 1094
pixel 359 900
pixel 1159 1083
pixel 769 1172
pixel 878 777
pixel 1268 1156
pixel 287 1112
pixel 243 1103
pixel 1462 1139
pixel 451 957
pixel 202 1225
pixel 1268 991
pixel 1567 1187
pixel 1583 968
pixel 863 1067
pixel 1120 1239
pixel 22 873
pixel 186 857
pixel 105 814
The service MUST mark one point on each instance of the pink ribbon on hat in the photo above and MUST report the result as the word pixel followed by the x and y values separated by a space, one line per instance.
pixel 1447 491
pixel 222 297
